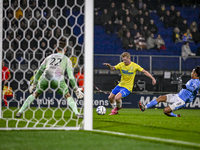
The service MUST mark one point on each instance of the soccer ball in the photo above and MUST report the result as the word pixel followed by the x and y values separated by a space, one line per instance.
pixel 101 110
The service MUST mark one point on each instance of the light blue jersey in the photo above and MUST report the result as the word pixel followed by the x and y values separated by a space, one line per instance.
pixel 192 88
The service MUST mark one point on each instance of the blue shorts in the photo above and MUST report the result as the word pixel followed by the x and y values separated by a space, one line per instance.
pixel 122 90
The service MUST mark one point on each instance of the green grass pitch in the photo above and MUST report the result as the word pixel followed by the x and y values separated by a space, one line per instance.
pixel 151 123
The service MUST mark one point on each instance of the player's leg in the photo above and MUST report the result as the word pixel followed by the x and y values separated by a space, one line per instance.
pixel 154 102
pixel 63 90
pixel 123 92
pixel 111 98
pixel 178 103
pixel 41 86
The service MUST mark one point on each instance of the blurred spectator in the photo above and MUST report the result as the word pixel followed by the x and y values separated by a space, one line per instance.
pixel 140 42
pixel 138 16
pixel 119 26
pixel 168 20
pixel 183 26
pixel 23 4
pixel 5 77
pixel 128 41
pixel 178 18
pixel 195 35
pixel 122 32
pixel 23 24
pixel 122 9
pixel 57 33
pixel 152 27
pixel 129 23
pixel 109 27
pixel 176 35
pixel 97 19
pixel 162 12
pixel 128 4
pixel 5 4
pixel 14 4
pixel 28 13
pixel 115 18
pixel 14 24
pixel 19 14
pixel 33 24
pixel 112 9
pixel 133 10
pixel 147 17
pixel 160 43
pixel 144 8
pixel 48 33
pixel 145 32
pixel 127 14
pixel 186 51
pixel 141 24
pixel 38 34
pixel 105 17
pixel 139 4
pixel 173 11
pixel 151 42
pixel 193 25
pixel 134 30
pixel 187 36
pixel 32 3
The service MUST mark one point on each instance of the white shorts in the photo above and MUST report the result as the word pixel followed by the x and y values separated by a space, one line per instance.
pixel 175 101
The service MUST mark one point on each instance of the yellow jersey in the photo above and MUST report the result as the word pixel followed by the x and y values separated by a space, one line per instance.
pixel 128 74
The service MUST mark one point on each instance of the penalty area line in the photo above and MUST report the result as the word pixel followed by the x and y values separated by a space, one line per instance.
pixel 150 138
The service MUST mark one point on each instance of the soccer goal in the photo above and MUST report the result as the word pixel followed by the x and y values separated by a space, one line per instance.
pixel 30 31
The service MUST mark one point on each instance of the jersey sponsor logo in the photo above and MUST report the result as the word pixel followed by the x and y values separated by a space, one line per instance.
pixel 127 72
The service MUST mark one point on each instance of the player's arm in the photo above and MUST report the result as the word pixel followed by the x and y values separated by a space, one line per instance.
pixel 109 66
pixel 191 88
pixel 149 75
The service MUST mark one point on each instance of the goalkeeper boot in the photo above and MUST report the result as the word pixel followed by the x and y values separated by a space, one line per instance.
pixel 141 106
pixel 178 115
pixel 79 116
pixel 18 115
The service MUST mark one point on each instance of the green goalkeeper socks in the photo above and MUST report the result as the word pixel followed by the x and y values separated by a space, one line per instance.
pixel 28 101
pixel 72 105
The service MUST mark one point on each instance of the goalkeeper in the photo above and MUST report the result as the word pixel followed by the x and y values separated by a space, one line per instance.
pixel 51 74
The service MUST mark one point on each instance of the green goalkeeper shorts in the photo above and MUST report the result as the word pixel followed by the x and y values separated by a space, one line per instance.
pixel 60 86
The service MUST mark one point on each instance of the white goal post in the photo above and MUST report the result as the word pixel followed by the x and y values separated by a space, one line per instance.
pixel 49 111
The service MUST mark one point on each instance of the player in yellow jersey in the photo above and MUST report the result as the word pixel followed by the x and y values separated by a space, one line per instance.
pixel 128 71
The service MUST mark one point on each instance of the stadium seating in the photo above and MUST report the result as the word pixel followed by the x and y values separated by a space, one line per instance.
pixel 100 37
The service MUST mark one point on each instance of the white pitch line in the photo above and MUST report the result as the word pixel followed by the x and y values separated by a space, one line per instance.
pixel 151 138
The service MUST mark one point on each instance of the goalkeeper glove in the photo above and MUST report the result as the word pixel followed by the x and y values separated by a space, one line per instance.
pixel 184 86
pixel 78 93
pixel 31 88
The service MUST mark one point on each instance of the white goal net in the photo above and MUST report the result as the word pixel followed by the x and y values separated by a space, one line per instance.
pixel 31 31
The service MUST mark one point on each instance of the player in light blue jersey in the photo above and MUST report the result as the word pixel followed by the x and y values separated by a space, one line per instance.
pixel 178 101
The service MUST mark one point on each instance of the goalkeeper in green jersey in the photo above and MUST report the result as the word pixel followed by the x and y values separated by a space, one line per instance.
pixel 51 74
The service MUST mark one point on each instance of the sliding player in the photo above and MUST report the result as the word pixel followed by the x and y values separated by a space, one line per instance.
pixel 178 101
pixel 128 71
pixel 51 74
